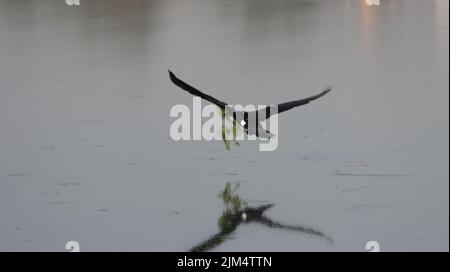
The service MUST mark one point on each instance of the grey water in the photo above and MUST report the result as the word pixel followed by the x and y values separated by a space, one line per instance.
pixel 85 150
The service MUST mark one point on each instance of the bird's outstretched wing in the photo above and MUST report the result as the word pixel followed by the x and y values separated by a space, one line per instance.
pixel 231 224
pixel 183 85
pixel 211 243
pixel 289 105
pixel 273 224
pixel 292 104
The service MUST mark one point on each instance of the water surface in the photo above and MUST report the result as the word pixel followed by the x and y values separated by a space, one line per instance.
pixel 85 152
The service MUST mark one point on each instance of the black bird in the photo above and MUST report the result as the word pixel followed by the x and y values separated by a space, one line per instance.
pixel 243 117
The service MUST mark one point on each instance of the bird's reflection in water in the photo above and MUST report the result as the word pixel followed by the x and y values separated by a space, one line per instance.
pixel 236 213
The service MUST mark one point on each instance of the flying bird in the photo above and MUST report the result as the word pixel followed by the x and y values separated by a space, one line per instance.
pixel 243 117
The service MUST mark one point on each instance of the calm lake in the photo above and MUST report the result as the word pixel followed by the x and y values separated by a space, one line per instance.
pixel 86 154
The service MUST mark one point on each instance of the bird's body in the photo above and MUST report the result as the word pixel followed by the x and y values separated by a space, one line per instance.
pixel 243 118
